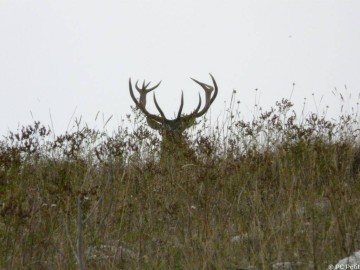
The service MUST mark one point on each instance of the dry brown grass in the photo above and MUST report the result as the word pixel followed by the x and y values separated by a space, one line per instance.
pixel 260 192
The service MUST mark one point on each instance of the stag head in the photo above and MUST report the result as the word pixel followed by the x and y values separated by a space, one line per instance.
pixel 172 129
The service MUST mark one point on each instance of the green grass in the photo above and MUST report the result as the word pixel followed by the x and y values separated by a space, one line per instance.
pixel 275 189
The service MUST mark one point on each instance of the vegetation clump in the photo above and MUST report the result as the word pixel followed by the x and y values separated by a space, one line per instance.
pixel 274 189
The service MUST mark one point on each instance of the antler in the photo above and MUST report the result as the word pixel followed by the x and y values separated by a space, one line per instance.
pixel 208 90
pixel 144 91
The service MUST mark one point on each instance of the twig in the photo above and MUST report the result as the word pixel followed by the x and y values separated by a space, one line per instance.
pixel 80 249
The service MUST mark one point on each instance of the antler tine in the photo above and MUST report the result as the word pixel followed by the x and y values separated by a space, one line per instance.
pixel 207 88
pixel 208 98
pixel 142 106
pixel 143 91
pixel 199 105
pixel 136 86
pixel 195 112
pixel 159 109
pixel 147 84
pixel 215 89
pixel 144 87
pixel 152 88
pixel 181 104
pixel 137 103
pixel 197 108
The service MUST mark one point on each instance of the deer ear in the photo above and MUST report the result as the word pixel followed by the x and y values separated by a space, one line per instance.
pixel 189 123
pixel 192 122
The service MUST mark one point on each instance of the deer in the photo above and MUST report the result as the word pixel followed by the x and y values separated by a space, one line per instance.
pixel 174 145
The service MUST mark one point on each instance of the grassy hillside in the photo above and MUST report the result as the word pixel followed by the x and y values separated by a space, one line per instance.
pixel 276 189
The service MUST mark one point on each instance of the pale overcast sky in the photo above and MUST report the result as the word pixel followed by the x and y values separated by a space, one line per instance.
pixel 60 56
